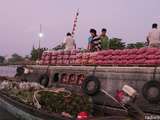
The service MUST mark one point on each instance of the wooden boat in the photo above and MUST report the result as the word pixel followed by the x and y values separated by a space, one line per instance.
pixel 24 111
pixel 111 78
pixel 27 112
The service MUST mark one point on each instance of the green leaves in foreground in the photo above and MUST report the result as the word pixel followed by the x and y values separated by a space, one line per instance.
pixel 59 102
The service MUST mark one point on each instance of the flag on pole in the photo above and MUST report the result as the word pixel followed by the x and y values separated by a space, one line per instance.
pixel 75 23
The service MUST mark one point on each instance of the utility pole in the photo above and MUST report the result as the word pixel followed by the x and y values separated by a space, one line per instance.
pixel 40 35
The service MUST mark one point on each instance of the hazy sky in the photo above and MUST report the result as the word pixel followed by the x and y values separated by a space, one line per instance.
pixel 19 22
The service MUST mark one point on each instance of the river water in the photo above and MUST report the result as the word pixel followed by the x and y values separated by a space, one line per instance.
pixel 9 71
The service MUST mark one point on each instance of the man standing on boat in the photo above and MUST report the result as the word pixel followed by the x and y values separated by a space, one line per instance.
pixel 153 37
pixel 94 42
pixel 69 42
pixel 104 39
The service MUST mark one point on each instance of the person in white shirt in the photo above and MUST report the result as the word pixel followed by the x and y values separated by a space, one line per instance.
pixel 69 42
pixel 153 37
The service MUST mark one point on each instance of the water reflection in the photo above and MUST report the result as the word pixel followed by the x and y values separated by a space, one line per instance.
pixel 9 71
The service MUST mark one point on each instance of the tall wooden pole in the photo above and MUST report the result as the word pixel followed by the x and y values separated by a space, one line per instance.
pixel 40 32
pixel 39 46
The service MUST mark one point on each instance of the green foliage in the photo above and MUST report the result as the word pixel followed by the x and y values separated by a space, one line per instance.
pixel 131 45
pixel 34 54
pixel 116 43
pixel 27 57
pixel 15 58
pixel 135 45
pixel 37 53
pixel 59 102
pixel 59 47
pixel 22 95
pixel 2 59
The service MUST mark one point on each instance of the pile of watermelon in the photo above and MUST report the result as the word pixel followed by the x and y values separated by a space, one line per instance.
pixel 142 56
pixel 46 58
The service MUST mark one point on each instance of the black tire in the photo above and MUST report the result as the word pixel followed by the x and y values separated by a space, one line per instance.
pixel 20 71
pixel 55 77
pixel 95 88
pixel 153 97
pixel 44 80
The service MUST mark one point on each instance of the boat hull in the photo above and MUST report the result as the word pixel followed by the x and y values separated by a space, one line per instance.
pixel 26 112
pixel 112 78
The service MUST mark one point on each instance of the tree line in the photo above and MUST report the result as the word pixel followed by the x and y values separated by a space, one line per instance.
pixel 16 58
pixel 117 43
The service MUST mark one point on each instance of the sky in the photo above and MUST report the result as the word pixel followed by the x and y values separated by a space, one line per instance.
pixel 129 20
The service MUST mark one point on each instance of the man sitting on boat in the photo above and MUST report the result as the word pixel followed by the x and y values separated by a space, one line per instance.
pixel 69 42
pixel 153 37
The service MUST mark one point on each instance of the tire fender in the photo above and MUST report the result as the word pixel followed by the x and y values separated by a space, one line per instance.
pixel 91 85
pixel 44 80
pixel 20 71
pixel 55 77
pixel 146 91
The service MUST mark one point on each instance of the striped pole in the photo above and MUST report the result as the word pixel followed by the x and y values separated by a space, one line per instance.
pixel 75 23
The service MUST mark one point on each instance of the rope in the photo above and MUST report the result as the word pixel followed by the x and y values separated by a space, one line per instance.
pixel 36 102
pixel 94 70
pixel 154 73
pixel 114 99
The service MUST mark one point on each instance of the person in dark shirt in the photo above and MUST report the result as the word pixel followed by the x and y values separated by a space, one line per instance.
pixel 94 41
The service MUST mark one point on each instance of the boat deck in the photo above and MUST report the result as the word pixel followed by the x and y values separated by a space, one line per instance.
pixel 4 115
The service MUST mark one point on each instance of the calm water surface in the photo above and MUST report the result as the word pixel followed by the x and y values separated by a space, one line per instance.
pixel 9 71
